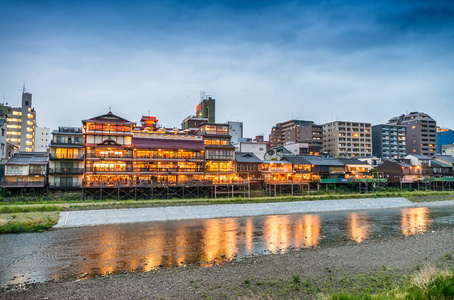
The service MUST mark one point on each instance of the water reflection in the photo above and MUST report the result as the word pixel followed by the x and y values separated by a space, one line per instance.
pixel 414 220
pixel 89 251
pixel 358 227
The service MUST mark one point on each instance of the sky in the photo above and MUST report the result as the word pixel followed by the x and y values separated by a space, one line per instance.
pixel 263 61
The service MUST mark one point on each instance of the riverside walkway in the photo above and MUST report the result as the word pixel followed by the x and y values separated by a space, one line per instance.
pixel 135 215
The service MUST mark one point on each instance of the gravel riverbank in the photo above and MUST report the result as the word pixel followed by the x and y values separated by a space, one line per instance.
pixel 374 264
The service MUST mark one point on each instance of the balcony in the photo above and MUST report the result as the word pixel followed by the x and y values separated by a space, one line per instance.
pixel 66 157
pixel 170 170
pixel 66 171
pixel 197 156
pixel 109 155
pixel 108 169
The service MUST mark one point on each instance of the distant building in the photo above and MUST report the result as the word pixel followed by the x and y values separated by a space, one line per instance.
pixel 347 139
pixel 207 109
pixel 289 131
pixel 235 131
pixel 3 141
pixel 193 123
pixel 258 149
pixel 445 138
pixel 389 141
pixel 421 132
pixel 447 149
pixel 21 124
pixel 41 139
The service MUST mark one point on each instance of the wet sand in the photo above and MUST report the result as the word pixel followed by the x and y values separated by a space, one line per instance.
pixel 318 269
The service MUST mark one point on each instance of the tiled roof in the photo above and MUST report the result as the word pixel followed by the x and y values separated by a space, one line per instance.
pixel 151 143
pixel 40 159
pixel 352 161
pixel 109 118
pixel 247 157
pixel 322 161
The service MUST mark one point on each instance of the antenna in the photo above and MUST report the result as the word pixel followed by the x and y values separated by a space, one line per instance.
pixel 110 108
pixel 23 89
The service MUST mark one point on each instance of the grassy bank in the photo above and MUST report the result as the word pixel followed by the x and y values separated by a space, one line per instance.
pixel 27 222
pixel 60 205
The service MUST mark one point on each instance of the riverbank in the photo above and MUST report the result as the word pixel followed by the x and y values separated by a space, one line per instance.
pixel 372 266
pixel 153 214
pixel 166 209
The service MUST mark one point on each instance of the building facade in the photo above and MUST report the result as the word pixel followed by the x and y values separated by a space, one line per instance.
pixel 389 141
pixel 207 109
pixel 421 132
pixel 235 132
pixel 285 132
pixel 347 139
pixel 444 138
pixel 42 139
pixel 66 160
pixel 21 122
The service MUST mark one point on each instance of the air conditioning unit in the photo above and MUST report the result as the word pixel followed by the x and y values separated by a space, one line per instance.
pixel 43 172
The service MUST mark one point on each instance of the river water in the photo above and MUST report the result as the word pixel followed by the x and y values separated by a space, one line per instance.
pixel 102 250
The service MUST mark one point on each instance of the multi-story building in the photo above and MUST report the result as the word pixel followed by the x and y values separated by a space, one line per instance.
pixel 421 132
pixel 258 148
pixel 119 154
pixel 41 139
pixel 192 123
pixel 3 141
pixel 310 133
pixel 235 132
pixel 26 171
pixel 389 141
pixel 347 139
pixel 66 162
pixel 444 137
pixel 219 153
pixel 207 109
pixel 286 132
pixel 21 123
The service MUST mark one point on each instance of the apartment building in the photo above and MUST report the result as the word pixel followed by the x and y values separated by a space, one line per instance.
pixel 66 161
pixel 389 141
pixel 42 139
pixel 421 132
pixel 286 132
pixel 26 171
pixel 21 122
pixel 347 139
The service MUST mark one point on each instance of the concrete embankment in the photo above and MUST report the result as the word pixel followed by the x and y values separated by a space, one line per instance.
pixel 135 215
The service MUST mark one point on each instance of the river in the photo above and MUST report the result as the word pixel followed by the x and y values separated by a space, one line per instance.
pixel 142 247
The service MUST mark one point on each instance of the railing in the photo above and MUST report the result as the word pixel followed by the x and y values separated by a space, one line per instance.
pixel 64 185
pixel 37 172
pixel 168 170
pixel 103 169
pixel 199 156
pixel 66 156
pixel 23 184
pixel 66 171
pixel 146 183
pixel 109 155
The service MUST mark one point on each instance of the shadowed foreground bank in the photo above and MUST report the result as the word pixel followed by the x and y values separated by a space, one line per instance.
pixel 372 266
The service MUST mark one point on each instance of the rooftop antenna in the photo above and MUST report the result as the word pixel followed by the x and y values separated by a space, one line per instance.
pixel 110 108
pixel 23 89
pixel 3 98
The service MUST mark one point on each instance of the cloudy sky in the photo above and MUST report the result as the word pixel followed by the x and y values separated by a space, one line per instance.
pixel 263 61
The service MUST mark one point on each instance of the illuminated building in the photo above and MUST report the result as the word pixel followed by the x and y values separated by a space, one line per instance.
pixel 220 154
pixel 117 153
pixel 347 139
pixel 66 161
pixel 247 166
pixel 207 109
pixel 21 122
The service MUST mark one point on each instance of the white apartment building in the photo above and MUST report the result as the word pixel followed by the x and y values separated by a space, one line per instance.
pixel 347 139
pixel 41 139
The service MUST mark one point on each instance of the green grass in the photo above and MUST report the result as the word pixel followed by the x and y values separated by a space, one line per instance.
pixel 27 222
pixel 8 205
pixel 428 283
